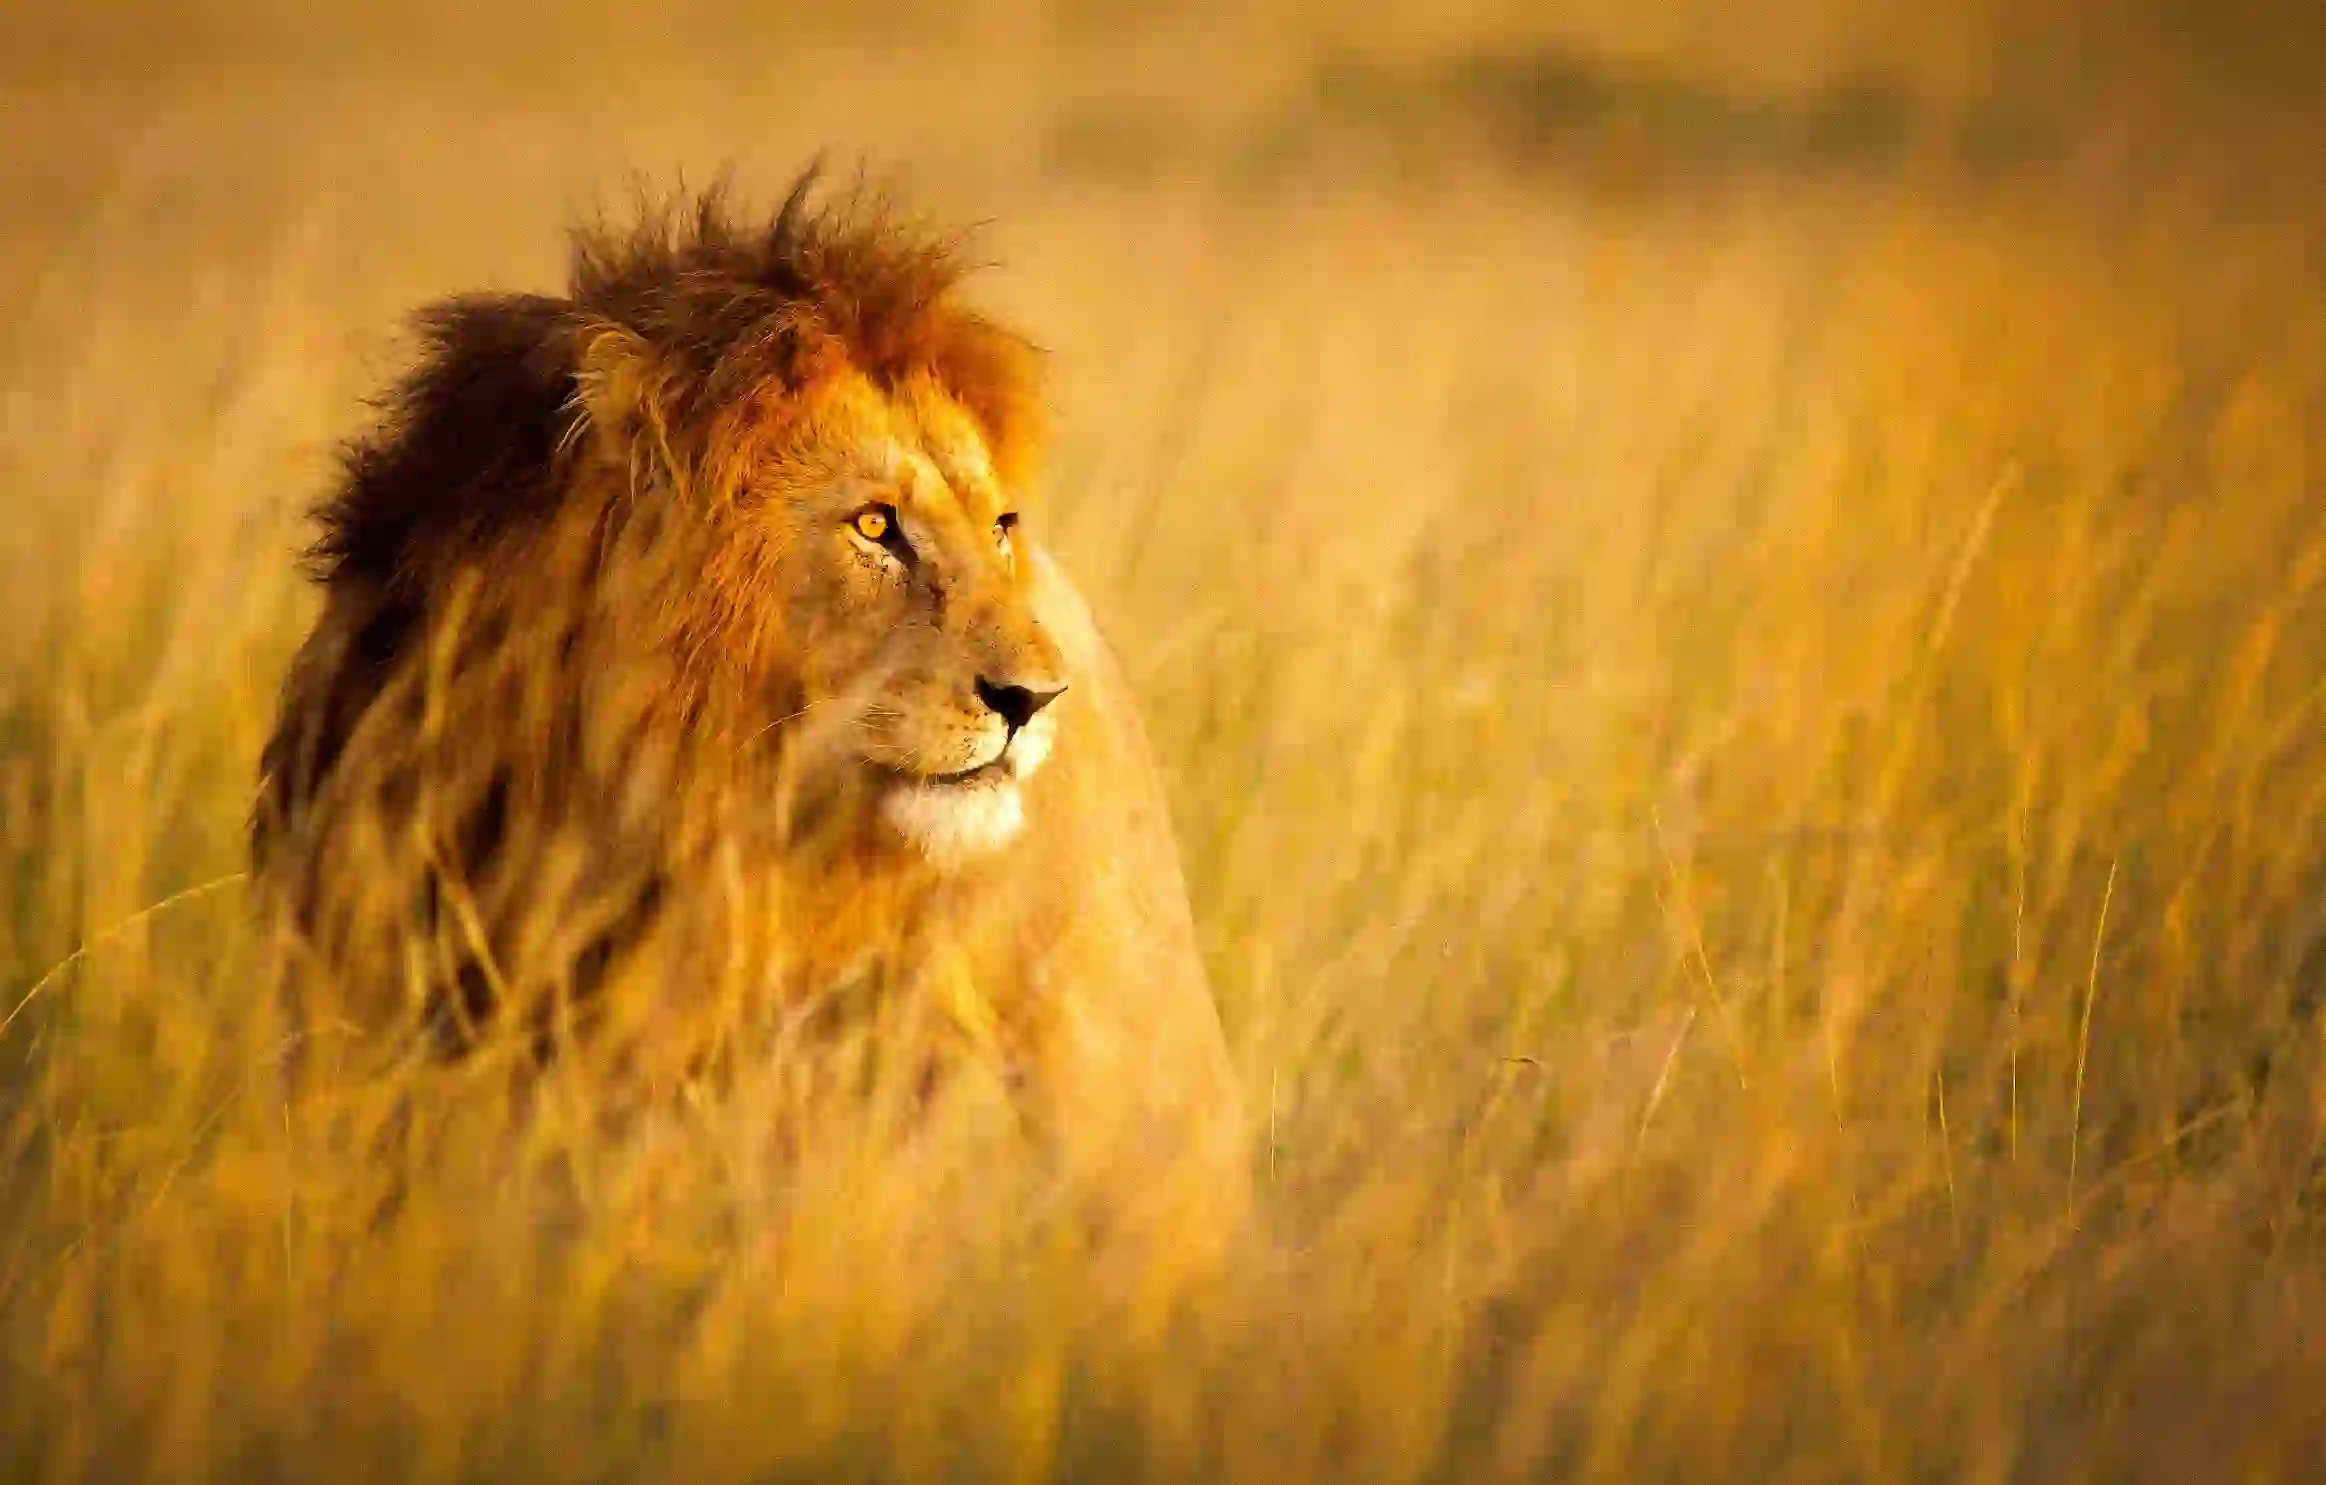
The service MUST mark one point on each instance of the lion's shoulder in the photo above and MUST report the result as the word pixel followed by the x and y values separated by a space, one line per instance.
pixel 1100 850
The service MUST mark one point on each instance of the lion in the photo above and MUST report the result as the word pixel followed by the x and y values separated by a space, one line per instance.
pixel 688 670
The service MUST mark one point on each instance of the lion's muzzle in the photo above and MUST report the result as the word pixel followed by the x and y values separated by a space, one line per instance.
pixel 957 816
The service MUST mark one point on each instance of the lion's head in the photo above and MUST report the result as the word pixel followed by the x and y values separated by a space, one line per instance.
pixel 892 619
pixel 825 450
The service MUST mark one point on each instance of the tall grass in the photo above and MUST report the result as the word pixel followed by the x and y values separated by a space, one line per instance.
pixel 1748 761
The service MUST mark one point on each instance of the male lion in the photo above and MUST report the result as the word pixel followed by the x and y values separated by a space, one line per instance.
pixel 685 671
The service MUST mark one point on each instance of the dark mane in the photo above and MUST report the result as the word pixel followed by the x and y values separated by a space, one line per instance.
pixel 466 442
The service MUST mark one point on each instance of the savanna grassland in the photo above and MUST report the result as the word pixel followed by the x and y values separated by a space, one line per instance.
pixel 1735 607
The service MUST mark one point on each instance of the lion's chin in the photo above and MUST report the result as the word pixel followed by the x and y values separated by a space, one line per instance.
pixel 956 820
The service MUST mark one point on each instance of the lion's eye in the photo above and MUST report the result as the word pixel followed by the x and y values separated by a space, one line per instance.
pixel 874 523
pixel 1004 527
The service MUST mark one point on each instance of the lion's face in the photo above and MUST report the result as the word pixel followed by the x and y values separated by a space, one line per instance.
pixel 907 608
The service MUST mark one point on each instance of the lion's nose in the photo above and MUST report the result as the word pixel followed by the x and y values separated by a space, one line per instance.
pixel 1017 704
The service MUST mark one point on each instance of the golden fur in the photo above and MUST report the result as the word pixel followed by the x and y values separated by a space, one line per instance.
pixel 680 673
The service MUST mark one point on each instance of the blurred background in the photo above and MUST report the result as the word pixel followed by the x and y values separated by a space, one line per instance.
pixel 1732 596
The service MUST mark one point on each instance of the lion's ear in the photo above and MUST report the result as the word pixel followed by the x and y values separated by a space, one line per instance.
pixel 622 394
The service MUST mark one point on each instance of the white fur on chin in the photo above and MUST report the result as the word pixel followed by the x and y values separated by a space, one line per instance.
pixel 952 823
pixel 955 823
